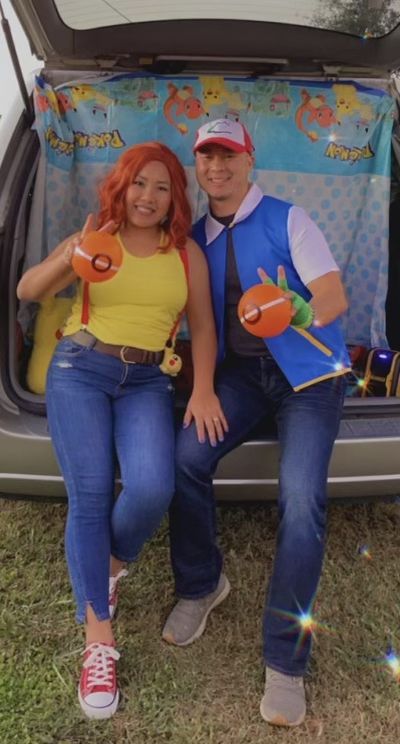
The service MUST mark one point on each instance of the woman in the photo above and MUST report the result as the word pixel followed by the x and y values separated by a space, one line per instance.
pixel 107 398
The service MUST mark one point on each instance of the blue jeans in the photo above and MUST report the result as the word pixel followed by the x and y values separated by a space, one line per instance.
pixel 100 412
pixel 307 421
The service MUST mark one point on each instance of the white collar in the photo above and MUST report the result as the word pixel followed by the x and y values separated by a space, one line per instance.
pixel 252 199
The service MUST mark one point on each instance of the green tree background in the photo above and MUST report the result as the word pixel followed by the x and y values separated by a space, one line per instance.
pixel 373 17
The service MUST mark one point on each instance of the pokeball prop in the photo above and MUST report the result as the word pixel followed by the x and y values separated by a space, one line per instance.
pixel 98 257
pixel 264 311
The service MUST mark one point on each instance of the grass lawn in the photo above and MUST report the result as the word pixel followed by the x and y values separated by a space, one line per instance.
pixel 209 692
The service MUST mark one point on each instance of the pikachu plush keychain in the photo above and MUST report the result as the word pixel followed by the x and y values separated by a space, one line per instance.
pixel 172 362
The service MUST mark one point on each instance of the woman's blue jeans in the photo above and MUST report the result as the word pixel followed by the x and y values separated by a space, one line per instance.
pixel 307 421
pixel 102 411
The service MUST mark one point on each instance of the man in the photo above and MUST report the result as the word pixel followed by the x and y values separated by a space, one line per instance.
pixel 300 381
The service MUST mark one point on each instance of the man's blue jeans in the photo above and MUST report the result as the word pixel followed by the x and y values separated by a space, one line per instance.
pixel 307 421
pixel 101 411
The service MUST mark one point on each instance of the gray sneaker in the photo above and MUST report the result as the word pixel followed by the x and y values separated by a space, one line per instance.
pixel 188 619
pixel 284 702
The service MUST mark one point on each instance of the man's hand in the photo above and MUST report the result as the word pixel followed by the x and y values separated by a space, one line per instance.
pixel 302 312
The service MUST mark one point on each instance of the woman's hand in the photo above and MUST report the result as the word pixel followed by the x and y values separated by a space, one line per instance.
pixel 76 240
pixel 69 250
pixel 55 273
pixel 208 416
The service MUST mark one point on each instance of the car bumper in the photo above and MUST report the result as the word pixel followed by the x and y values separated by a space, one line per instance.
pixel 365 461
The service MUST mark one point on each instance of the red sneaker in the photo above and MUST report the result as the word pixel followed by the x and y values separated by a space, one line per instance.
pixel 98 691
pixel 113 591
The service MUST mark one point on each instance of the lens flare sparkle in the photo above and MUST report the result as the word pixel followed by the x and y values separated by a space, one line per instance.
pixel 390 662
pixel 302 623
pixel 393 663
pixel 364 552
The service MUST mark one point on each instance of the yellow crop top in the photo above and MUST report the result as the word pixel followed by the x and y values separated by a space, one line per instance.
pixel 139 305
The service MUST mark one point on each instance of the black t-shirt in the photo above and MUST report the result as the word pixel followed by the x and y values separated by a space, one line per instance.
pixel 237 339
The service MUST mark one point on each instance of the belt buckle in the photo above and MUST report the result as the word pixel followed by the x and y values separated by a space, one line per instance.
pixel 122 355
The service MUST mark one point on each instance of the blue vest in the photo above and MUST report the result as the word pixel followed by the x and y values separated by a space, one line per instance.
pixel 261 239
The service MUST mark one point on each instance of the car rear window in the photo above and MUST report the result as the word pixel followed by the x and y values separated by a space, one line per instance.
pixel 366 18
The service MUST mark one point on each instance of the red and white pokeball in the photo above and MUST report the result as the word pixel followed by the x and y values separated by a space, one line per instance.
pixel 264 311
pixel 98 257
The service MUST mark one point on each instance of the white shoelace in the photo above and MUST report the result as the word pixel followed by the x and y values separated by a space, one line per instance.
pixel 113 581
pixel 100 664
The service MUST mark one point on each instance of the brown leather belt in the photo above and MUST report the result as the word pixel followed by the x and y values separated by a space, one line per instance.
pixel 127 354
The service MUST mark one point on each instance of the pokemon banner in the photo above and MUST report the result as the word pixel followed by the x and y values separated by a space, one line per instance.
pixel 323 146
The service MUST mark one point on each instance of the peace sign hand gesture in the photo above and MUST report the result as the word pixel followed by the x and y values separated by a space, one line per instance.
pixel 302 312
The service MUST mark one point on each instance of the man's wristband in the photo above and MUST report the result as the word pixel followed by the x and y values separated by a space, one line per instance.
pixel 304 313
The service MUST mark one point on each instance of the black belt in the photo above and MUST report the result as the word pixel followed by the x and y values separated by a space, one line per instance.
pixel 127 354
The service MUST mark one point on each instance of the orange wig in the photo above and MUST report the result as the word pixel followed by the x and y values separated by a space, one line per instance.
pixel 113 190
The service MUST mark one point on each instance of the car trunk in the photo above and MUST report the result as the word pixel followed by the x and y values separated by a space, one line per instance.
pixel 227 58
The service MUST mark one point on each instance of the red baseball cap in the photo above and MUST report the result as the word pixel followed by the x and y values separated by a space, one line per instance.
pixel 225 132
